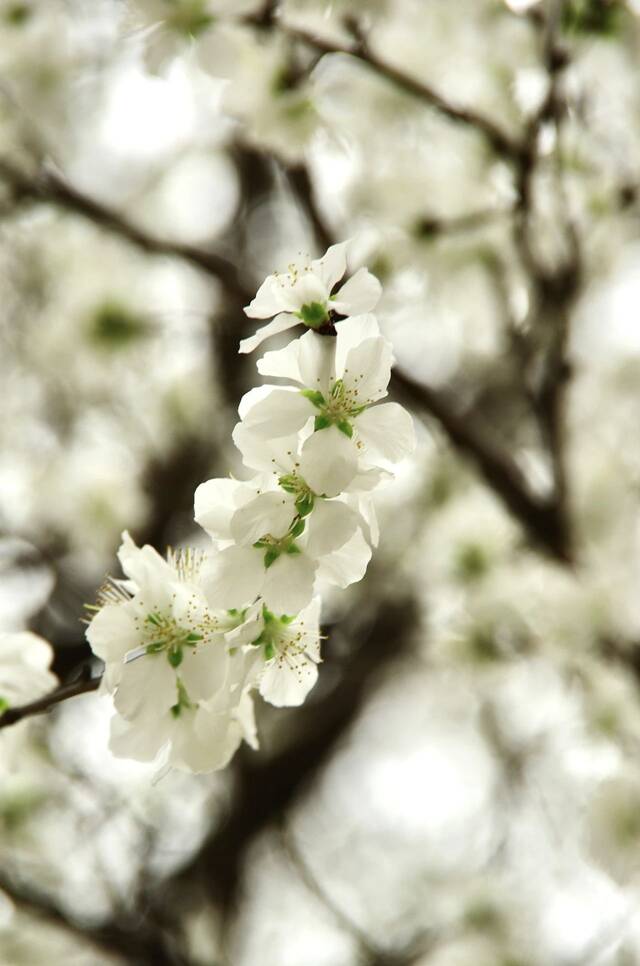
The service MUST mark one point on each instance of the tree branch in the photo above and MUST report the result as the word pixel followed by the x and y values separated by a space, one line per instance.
pixel 20 712
pixel 501 142
pixel 542 519
pixel 48 187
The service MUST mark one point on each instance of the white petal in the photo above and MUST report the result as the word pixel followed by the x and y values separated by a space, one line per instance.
pixel 287 680
pixel 369 479
pixel 140 739
pixel 281 412
pixel 387 432
pixel 215 502
pixel 307 289
pixel 269 513
pixel 204 668
pixel 367 370
pixel 308 624
pixel 348 564
pixel 316 361
pixel 148 682
pixel 245 717
pixel 24 663
pixel 233 577
pixel 282 363
pixel 272 456
pixel 330 525
pixel 143 565
pixel 288 583
pixel 351 333
pixel 360 294
pixel 204 740
pixel 328 461
pixel 268 300
pixel 112 634
pixel 332 266
pixel 280 324
pixel 308 361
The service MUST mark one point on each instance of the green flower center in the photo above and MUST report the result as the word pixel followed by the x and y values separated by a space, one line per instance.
pixel 305 497
pixel 339 408
pixel 314 314
pixel 272 632
pixel 167 636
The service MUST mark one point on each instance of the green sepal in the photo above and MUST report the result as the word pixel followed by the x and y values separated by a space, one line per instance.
pixel 305 504
pixel 297 528
pixel 193 638
pixel 259 544
pixel 268 617
pixel 345 427
pixel 337 389
pixel 287 618
pixel 293 549
pixel 155 647
pixel 314 396
pixel 4 704
pixel 321 422
pixel 271 555
pixel 269 650
pixel 175 657
pixel 313 314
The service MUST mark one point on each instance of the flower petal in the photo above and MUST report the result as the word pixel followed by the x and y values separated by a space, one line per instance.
pixel 268 513
pixel 328 461
pixel 360 294
pixel 351 333
pixel 281 412
pixel 232 578
pixel 309 361
pixel 287 680
pixel 332 266
pixel 268 300
pixel 112 634
pixel 215 503
pixel 281 323
pixel 144 566
pixel 147 681
pixel 330 526
pixel 387 432
pixel 367 370
pixel 288 583
pixel 348 564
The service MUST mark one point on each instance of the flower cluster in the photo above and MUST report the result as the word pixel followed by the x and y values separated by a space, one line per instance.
pixel 187 640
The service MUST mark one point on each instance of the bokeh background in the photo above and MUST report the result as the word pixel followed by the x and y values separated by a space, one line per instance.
pixel 462 787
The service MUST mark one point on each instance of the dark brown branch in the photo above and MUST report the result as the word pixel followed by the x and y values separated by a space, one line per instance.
pixel 48 187
pixel 542 519
pixel 13 715
pixel 266 789
pixel 136 942
pixel 501 142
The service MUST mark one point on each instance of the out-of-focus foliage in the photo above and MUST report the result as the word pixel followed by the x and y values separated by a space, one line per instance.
pixel 463 786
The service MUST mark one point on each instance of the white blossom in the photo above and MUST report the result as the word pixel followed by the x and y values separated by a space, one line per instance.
pixel 340 380
pixel 24 668
pixel 178 669
pixel 304 294
pixel 290 652
pixel 267 546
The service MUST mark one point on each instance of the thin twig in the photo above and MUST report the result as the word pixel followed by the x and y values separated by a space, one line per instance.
pixel 13 715
pixel 49 187
pixel 501 142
